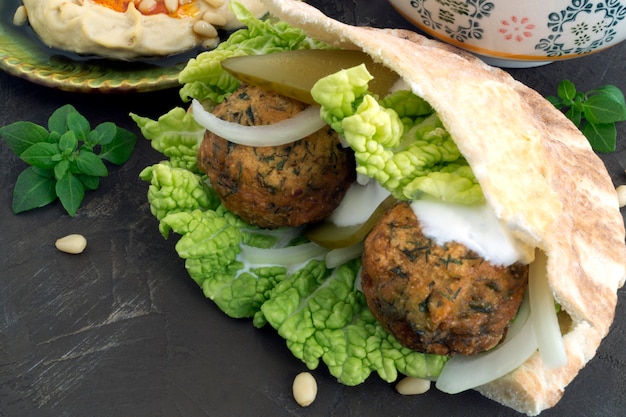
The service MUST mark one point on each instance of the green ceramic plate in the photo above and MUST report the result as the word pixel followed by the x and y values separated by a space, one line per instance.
pixel 22 54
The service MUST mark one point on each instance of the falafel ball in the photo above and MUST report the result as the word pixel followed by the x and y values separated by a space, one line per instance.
pixel 275 186
pixel 441 299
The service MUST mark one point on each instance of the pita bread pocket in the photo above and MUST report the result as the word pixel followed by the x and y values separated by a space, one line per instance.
pixel 537 172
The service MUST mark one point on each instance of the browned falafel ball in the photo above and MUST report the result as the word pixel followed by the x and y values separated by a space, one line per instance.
pixel 436 299
pixel 288 185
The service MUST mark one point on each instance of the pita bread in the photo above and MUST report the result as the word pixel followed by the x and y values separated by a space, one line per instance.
pixel 536 170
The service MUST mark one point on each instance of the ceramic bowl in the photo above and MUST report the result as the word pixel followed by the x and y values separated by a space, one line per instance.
pixel 520 33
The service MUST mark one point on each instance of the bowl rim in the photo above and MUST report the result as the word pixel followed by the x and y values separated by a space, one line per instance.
pixel 490 53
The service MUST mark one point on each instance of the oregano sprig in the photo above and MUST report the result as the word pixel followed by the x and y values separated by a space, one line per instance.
pixel 66 159
pixel 594 113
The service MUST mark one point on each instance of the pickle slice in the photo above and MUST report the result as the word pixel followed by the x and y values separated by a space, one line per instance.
pixel 329 235
pixel 293 73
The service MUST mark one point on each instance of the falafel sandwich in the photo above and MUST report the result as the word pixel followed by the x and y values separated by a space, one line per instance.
pixel 503 244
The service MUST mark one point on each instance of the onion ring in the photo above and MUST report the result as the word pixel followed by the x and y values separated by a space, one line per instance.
pixel 286 131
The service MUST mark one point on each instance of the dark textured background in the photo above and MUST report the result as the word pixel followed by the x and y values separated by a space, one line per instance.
pixel 122 331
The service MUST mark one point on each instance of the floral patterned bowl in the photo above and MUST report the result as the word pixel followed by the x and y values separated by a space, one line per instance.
pixel 520 33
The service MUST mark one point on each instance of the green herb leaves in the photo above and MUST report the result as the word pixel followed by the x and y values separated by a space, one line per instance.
pixel 594 112
pixel 66 159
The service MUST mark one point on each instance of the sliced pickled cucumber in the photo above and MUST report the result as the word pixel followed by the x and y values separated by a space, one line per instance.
pixel 331 236
pixel 293 73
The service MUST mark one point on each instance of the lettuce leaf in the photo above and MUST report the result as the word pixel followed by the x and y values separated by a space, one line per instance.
pixel 321 316
pixel 398 141
pixel 173 190
pixel 176 135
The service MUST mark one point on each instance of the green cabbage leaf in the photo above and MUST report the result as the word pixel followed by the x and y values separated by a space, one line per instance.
pixel 176 135
pixel 399 141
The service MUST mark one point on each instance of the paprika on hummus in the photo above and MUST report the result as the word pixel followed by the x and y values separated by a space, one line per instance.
pixel 129 29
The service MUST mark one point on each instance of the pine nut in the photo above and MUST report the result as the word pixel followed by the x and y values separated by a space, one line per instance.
pixel 171 5
pixel 146 5
pixel 214 18
pixel 413 386
pixel 73 244
pixel 20 17
pixel 215 3
pixel 304 389
pixel 621 195
pixel 210 43
pixel 205 29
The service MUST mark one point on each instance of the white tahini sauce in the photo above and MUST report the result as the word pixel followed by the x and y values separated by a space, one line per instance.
pixel 476 227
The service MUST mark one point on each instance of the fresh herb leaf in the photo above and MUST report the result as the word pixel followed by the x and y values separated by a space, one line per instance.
pixel 89 181
pixel 594 113
pixel 567 91
pixel 90 164
pixel 58 120
pixel 65 160
pixel 22 135
pixel 71 192
pixel 103 134
pixel 54 137
pixel 610 91
pixel 79 125
pixel 61 169
pixel 599 136
pixel 604 109
pixel 68 142
pixel 32 190
pixel 40 155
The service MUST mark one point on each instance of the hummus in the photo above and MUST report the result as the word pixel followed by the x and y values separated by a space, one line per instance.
pixel 129 29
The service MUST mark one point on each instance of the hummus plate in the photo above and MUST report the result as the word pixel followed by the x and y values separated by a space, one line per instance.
pixel 23 55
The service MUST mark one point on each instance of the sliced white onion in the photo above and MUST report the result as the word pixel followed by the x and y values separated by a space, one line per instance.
pixel 545 321
pixel 520 318
pixel 286 131
pixel 358 283
pixel 340 256
pixel 288 256
pixel 461 373
pixel 358 204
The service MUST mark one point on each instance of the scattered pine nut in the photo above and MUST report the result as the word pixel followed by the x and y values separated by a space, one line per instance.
pixel 621 195
pixel 20 17
pixel 413 386
pixel 73 244
pixel 304 389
